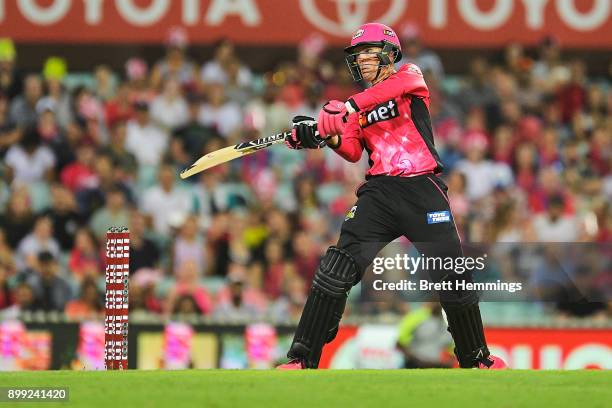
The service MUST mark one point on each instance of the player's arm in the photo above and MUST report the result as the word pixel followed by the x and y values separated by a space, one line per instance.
pixel 342 133
pixel 348 144
pixel 407 81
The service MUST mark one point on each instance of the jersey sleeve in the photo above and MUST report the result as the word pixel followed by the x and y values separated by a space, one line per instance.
pixel 351 146
pixel 408 80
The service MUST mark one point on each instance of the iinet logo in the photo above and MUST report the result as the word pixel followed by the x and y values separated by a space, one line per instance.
pixel 553 357
pixel 384 111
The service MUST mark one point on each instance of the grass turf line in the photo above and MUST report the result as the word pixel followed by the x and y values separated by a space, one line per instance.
pixel 323 388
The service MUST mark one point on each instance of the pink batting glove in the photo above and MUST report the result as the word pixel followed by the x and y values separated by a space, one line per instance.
pixel 332 118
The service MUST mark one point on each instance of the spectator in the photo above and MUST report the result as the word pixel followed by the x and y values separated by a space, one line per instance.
pixel 85 261
pixel 23 107
pixel 507 224
pixel 165 202
pixel 193 134
pixel 212 196
pixel 107 179
pixel 424 339
pixel 279 227
pixel 89 303
pixel 29 160
pixel 554 226
pixel 24 302
pixel 477 91
pixel 572 96
pixel 219 69
pixel 186 305
pixel 175 63
pixel 189 245
pixel 235 304
pixel 119 108
pixel 187 284
pixel 48 129
pixel 143 286
pixel 124 161
pixel 80 175
pixel 18 217
pixel 549 71
pixel 219 237
pixel 169 109
pixel 306 256
pixel 481 174
pixel 144 139
pixel 177 155
pixel 414 52
pixel 113 214
pixel 275 269
pixel 9 133
pixel 41 239
pixel 57 98
pixel 223 115
pixel 287 309
pixel 51 291
pixel 549 185
pixel 526 166
pixel 105 83
pixel 136 71
pixel 64 215
pixel 90 113
pixel 11 83
pixel 144 253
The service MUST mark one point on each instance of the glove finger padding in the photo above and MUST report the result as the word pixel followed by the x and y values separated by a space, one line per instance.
pixel 335 107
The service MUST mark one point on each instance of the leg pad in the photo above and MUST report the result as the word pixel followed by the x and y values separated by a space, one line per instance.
pixel 324 307
pixel 465 325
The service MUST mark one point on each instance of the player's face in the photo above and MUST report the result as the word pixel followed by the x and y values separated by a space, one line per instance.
pixel 368 62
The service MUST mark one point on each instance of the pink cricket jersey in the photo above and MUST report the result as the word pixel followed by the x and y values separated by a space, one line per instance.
pixel 392 124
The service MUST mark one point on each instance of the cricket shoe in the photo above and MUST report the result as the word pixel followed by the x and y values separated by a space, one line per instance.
pixel 295 364
pixel 492 363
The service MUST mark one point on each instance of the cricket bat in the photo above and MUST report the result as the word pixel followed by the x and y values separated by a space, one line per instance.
pixel 226 154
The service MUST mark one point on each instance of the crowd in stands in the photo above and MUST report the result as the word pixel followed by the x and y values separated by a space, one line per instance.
pixel 526 141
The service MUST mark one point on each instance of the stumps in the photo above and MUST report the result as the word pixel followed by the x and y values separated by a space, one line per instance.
pixel 116 302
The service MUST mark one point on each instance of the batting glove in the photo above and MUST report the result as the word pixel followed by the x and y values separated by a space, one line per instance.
pixel 332 118
pixel 304 134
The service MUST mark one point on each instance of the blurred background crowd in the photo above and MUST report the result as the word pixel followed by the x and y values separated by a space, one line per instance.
pixel 526 140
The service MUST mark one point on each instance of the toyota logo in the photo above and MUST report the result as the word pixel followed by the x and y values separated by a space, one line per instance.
pixel 351 14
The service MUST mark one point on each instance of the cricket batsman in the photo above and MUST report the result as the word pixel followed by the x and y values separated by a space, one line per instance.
pixel 402 195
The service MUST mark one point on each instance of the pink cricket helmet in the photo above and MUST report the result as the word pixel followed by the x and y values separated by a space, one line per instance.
pixel 374 34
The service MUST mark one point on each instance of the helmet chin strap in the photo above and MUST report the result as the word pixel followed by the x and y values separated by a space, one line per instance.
pixel 378 72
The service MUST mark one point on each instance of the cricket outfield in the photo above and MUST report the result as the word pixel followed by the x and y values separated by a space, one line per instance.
pixel 323 388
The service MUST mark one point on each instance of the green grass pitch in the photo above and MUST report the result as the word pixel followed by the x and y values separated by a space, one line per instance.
pixel 323 388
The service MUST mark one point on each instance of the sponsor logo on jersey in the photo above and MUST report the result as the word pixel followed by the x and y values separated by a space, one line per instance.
pixel 414 69
pixel 436 217
pixel 384 111
pixel 351 213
